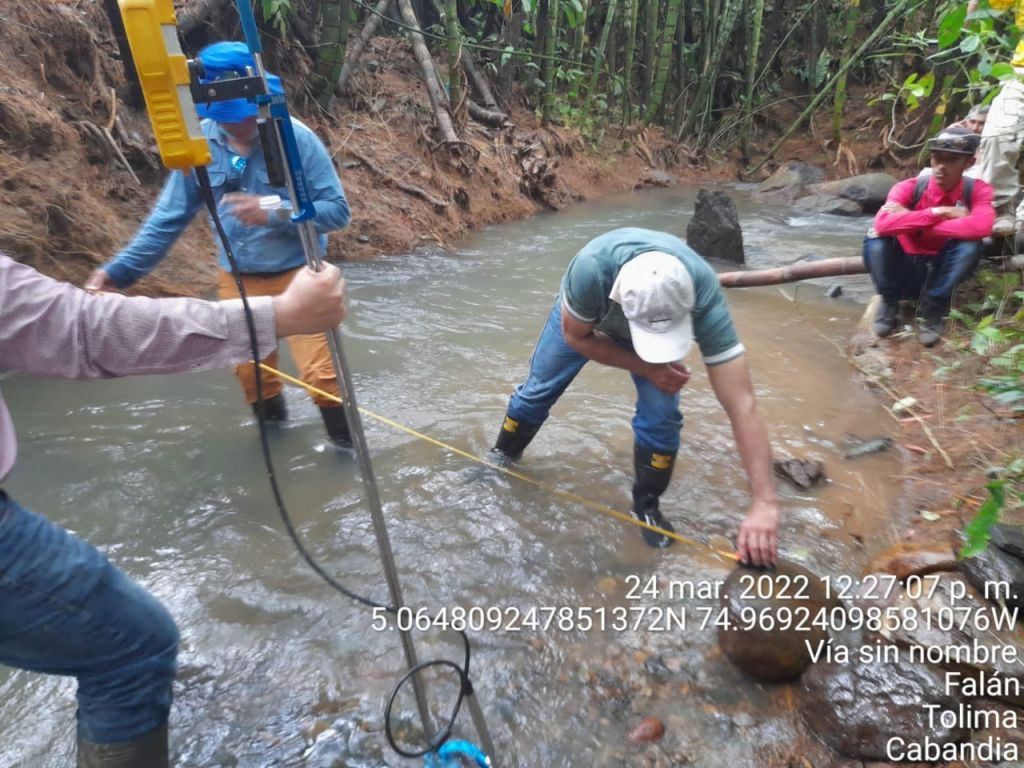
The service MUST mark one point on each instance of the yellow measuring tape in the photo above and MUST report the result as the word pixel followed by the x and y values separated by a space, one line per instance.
pixel 597 506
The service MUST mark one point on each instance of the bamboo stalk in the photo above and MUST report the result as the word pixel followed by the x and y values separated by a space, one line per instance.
pixel 852 16
pixel 664 64
pixel 748 98
pixel 451 25
pixel 601 47
pixel 549 64
pixel 627 70
pixel 791 273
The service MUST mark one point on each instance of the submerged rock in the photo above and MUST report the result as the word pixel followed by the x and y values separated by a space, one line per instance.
pixel 762 651
pixel 857 708
pixel 802 473
pixel 837 206
pixel 908 559
pixel 790 181
pixel 869 190
pixel 648 729
pixel 714 231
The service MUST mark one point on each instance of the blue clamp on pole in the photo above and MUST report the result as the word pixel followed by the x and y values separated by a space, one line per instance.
pixel 304 208
pixel 450 752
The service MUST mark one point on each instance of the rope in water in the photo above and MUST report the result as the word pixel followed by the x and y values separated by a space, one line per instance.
pixel 555 491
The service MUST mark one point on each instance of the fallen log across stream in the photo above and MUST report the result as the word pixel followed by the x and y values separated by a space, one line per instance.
pixel 791 273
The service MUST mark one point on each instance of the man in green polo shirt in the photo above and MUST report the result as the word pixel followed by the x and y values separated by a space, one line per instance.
pixel 637 299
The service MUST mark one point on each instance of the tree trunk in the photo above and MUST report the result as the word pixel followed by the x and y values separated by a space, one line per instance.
pixel 540 37
pixel 752 54
pixel 627 69
pixel 491 117
pixel 451 25
pixel 815 47
pixel 438 98
pixel 330 55
pixel 650 48
pixel 513 31
pixel 839 104
pixel 708 77
pixel 477 81
pixel 549 64
pixel 851 265
pixel 600 53
pixel 580 33
pixel 664 64
pixel 368 31
pixel 771 31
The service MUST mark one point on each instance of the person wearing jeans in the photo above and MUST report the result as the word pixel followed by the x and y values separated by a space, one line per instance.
pixel 927 241
pixel 637 299
pixel 64 608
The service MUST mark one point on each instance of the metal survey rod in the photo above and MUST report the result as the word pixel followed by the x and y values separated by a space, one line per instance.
pixel 284 134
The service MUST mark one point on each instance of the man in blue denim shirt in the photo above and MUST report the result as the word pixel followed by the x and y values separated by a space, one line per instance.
pixel 266 244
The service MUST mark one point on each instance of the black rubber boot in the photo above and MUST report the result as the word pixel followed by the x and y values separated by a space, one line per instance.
pixel 275 410
pixel 933 323
pixel 653 471
pixel 337 425
pixel 885 318
pixel 146 751
pixel 514 437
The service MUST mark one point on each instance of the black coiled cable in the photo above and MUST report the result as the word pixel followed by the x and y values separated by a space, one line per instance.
pixel 465 685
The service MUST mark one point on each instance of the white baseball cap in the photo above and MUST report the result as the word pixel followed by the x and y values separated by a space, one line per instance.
pixel 655 292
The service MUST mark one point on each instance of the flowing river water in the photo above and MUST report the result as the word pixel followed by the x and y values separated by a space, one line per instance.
pixel 165 474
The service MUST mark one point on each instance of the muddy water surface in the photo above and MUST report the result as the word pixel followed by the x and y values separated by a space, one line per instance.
pixel 165 475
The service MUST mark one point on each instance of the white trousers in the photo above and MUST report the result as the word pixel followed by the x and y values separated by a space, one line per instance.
pixel 1000 147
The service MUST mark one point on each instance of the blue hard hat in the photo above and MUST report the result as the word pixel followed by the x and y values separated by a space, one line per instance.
pixel 230 59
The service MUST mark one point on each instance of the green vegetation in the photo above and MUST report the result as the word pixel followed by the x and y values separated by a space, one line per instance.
pixel 995 349
pixel 714 73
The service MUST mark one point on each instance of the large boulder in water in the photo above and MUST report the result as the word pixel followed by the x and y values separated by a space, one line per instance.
pixel 714 231
pixel 777 598
pixel 856 707
pixel 869 190
pixel 837 206
pixel 790 181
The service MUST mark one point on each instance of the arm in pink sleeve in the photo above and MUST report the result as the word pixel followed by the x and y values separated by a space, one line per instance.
pixel 975 225
pixel 887 224
pixel 52 328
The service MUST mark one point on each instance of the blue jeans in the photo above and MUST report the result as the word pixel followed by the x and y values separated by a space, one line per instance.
pixel 897 275
pixel 656 423
pixel 65 610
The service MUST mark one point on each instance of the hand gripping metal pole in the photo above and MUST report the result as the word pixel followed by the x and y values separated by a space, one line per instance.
pixel 311 249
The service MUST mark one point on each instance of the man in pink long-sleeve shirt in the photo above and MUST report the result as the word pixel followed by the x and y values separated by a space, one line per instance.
pixel 925 248
pixel 64 609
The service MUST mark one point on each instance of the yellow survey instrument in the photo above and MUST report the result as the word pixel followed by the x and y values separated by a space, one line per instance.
pixel 152 32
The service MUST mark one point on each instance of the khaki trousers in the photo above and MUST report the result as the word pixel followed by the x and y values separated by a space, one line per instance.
pixel 311 353
pixel 1000 146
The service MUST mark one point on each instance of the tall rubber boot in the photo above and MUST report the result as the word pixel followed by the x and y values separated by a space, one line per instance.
pixel 275 410
pixel 337 425
pixel 146 751
pixel 653 471
pixel 514 437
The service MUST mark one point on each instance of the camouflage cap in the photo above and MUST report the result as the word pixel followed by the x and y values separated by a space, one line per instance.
pixel 959 141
